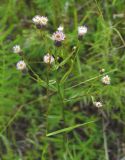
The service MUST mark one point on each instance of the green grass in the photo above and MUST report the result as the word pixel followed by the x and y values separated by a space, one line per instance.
pixel 47 113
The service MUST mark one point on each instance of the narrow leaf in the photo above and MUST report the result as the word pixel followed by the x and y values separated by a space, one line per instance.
pixel 68 129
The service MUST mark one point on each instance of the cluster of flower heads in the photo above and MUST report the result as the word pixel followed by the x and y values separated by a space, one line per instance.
pixel 21 65
pixel 40 21
pixel 105 80
pixel 57 37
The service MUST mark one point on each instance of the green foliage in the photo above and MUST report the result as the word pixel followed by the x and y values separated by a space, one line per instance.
pixel 36 106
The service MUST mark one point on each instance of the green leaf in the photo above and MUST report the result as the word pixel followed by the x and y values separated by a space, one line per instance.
pixel 67 129
pixel 66 74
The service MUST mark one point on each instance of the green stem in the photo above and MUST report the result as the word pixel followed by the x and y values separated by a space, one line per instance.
pixel 63 105
pixel 63 115
pixel 47 112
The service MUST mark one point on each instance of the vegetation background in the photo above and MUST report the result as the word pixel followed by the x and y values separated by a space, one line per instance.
pixel 29 107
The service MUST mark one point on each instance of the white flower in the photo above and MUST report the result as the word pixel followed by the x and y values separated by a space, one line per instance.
pixel 58 36
pixel 21 65
pixel 40 20
pixel 106 80
pixel 48 58
pixel 60 28
pixel 98 104
pixel 82 30
pixel 16 49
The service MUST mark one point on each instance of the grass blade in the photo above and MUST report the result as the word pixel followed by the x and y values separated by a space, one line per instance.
pixel 67 129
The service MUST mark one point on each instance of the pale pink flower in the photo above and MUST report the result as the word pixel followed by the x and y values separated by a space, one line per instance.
pixel 48 58
pixel 106 80
pixel 58 36
pixel 21 65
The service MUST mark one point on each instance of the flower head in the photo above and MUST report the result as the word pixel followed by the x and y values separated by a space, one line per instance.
pixel 106 80
pixel 97 104
pixel 82 30
pixel 102 70
pixel 21 65
pixel 74 47
pixel 17 49
pixel 40 21
pixel 58 36
pixel 48 58
pixel 60 28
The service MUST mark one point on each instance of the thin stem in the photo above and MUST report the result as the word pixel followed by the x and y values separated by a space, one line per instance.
pixel 90 79
pixel 79 69
pixel 47 112
pixel 105 141
pixel 63 105
pixel 63 115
